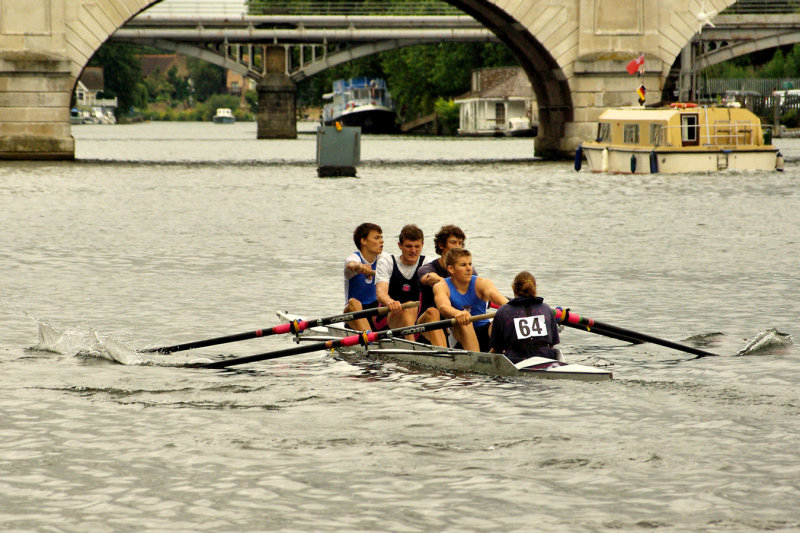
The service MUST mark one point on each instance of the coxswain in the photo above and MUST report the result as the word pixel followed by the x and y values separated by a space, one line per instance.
pixel 525 326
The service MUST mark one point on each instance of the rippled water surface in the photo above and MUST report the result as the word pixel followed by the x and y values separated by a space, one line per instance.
pixel 172 232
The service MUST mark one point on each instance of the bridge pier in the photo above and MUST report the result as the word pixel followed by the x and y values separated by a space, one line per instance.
pixel 599 83
pixel 35 91
pixel 277 98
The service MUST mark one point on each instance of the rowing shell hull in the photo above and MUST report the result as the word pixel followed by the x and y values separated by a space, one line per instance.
pixel 492 364
pixel 425 355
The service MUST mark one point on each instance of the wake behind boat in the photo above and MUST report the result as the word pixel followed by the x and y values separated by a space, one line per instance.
pixel 451 359
pixel 361 102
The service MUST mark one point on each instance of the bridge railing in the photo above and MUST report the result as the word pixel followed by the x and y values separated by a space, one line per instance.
pixel 303 7
pixel 762 7
pixel 365 7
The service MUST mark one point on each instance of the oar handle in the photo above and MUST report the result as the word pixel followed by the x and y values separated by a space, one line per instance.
pixel 364 338
pixel 295 326
pixel 571 319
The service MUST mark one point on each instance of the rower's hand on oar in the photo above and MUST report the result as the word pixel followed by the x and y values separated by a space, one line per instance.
pixel 395 306
pixel 463 317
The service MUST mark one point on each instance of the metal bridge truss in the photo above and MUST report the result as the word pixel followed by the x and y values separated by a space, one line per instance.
pixel 737 35
pixel 313 43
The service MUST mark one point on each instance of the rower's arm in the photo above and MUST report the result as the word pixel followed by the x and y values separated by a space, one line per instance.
pixel 430 279
pixel 441 295
pixel 361 268
pixel 487 291
pixel 382 294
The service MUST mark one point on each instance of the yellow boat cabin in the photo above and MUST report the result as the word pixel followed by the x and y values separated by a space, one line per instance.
pixel 679 138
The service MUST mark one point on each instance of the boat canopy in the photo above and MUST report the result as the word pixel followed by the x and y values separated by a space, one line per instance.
pixel 682 125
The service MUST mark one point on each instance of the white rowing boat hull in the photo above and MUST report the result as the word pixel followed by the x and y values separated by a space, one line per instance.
pixel 493 364
pixel 452 359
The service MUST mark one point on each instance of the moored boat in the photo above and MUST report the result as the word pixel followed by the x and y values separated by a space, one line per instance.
pixel 452 359
pixel 224 116
pixel 680 138
pixel 361 102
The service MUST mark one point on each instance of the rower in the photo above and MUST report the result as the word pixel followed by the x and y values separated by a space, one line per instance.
pixel 397 282
pixel 447 238
pixel 463 295
pixel 526 326
pixel 359 275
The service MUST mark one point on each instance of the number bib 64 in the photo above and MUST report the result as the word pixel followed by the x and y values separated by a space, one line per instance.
pixel 530 326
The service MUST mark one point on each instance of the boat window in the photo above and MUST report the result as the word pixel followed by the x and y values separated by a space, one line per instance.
pixel 690 134
pixel 630 134
pixel 656 132
pixel 603 132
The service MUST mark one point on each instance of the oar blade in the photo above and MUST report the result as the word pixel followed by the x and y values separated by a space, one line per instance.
pixel 568 318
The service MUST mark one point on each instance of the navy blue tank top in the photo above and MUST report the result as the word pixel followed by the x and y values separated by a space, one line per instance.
pixel 401 288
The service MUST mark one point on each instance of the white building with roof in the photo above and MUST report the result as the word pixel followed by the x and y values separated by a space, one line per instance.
pixel 500 102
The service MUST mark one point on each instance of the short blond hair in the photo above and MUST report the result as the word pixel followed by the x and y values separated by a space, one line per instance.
pixel 454 255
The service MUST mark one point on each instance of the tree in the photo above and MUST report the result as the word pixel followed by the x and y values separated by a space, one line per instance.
pixel 180 86
pixel 122 75
pixel 208 79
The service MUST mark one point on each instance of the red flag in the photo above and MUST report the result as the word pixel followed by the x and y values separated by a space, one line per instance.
pixel 635 65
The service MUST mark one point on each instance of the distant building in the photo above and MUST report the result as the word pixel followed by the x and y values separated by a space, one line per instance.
pixel 154 63
pixel 500 102
pixel 237 84
pixel 89 109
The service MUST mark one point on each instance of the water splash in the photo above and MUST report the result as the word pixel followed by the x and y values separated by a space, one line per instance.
pixel 65 341
pixel 119 352
pixel 766 340
pixel 704 340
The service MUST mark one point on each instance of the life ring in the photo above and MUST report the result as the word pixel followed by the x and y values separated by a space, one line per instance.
pixel 682 105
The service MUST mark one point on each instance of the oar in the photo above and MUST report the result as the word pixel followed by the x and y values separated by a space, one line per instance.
pixel 573 320
pixel 363 338
pixel 295 326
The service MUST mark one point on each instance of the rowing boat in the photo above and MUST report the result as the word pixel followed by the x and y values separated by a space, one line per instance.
pixel 451 359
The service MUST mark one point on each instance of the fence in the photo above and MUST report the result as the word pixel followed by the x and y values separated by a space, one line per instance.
pixel 303 7
pixel 763 6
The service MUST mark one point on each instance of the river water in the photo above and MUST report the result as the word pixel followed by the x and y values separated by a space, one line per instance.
pixel 172 232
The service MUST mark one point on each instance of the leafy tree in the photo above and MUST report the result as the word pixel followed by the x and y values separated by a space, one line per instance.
pixel 158 88
pixel 208 79
pixel 782 64
pixel 122 74
pixel 180 86
pixel 448 113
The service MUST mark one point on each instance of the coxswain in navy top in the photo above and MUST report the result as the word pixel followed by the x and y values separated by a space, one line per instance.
pixel 523 328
